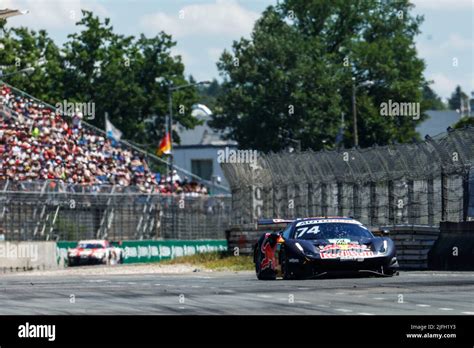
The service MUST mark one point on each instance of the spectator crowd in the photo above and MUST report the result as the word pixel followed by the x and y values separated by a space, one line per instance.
pixel 37 143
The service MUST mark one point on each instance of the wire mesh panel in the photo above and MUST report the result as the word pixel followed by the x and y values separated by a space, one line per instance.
pixel 53 215
pixel 418 183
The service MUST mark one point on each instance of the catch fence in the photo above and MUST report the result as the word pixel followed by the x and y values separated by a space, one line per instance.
pixel 56 211
pixel 420 183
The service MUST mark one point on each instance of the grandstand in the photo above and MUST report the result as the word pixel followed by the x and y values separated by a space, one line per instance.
pixel 38 143
pixel 64 179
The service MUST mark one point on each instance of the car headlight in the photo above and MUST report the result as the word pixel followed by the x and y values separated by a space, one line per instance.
pixel 99 255
pixel 299 246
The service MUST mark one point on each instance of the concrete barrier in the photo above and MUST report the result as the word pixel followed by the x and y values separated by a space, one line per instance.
pixel 454 249
pixel 413 243
pixel 25 256
pixel 139 251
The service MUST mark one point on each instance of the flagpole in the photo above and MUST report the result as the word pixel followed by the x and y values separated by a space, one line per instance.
pixel 170 129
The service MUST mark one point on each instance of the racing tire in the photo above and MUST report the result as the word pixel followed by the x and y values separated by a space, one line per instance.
pixel 70 263
pixel 389 272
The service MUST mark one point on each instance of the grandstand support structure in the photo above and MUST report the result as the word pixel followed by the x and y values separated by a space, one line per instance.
pixel 147 220
pixel 107 218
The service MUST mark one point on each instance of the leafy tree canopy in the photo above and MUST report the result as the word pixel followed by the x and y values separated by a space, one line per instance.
pixel 294 77
pixel 118 73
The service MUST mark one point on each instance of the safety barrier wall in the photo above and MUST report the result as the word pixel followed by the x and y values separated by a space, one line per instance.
pixel 25 256
pixel 454 249
pixel 140 251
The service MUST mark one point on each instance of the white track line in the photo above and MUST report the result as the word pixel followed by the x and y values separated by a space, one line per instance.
pixel 423 305
pixel 469 313
pixel 343 310
pixel 364 313
pixel 445 309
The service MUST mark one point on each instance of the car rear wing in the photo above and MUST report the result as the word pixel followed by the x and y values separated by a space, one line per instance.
pixel 261 222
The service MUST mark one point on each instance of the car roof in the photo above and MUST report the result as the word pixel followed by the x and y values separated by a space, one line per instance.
pixel 93 241
pixel 328 219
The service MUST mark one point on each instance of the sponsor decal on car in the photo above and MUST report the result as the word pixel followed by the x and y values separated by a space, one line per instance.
pixel 268 251
pixel 327 221
pixel 344 250
pixel 347 254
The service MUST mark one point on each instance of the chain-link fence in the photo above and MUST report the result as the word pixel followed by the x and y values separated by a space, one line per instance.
pixel 418 183
pixel 56 211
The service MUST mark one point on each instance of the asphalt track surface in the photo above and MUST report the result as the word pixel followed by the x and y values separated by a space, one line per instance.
pixel 217 293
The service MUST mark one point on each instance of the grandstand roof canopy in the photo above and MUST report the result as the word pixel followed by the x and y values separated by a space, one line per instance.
pixel 5 13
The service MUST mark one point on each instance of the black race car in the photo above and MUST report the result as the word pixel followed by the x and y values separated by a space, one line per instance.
pixel 313 247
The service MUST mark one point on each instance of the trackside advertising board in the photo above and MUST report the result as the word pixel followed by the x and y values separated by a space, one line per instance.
pixel 153 250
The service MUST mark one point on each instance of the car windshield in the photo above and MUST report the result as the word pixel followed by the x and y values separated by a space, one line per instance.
pixel 331 231
pixel 90 246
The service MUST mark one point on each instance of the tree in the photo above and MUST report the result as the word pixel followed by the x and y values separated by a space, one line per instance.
pixel 208 94
pixel 431 100
pixel 293 78
pixel 117 73
pixel 454 101
pixel 24 48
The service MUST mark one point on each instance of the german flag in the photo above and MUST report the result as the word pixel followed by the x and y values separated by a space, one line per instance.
pixel 165 145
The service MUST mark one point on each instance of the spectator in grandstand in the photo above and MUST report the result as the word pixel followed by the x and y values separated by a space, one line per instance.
pixel 37 143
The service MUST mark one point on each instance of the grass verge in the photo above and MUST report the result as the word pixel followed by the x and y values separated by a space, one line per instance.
pixel 215 261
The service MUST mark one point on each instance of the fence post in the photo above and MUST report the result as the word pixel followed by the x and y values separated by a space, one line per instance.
pixel 430 200
pixel 444 196
pixel 340 197
pixel 324 199
pixel 465 195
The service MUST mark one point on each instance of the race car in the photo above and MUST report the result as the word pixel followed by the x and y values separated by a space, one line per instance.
pixel 312 247
pixel 94 252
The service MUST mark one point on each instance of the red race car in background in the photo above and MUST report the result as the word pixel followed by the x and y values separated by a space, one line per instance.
pixel 94 252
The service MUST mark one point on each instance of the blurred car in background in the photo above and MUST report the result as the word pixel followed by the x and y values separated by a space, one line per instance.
pixel 94 251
